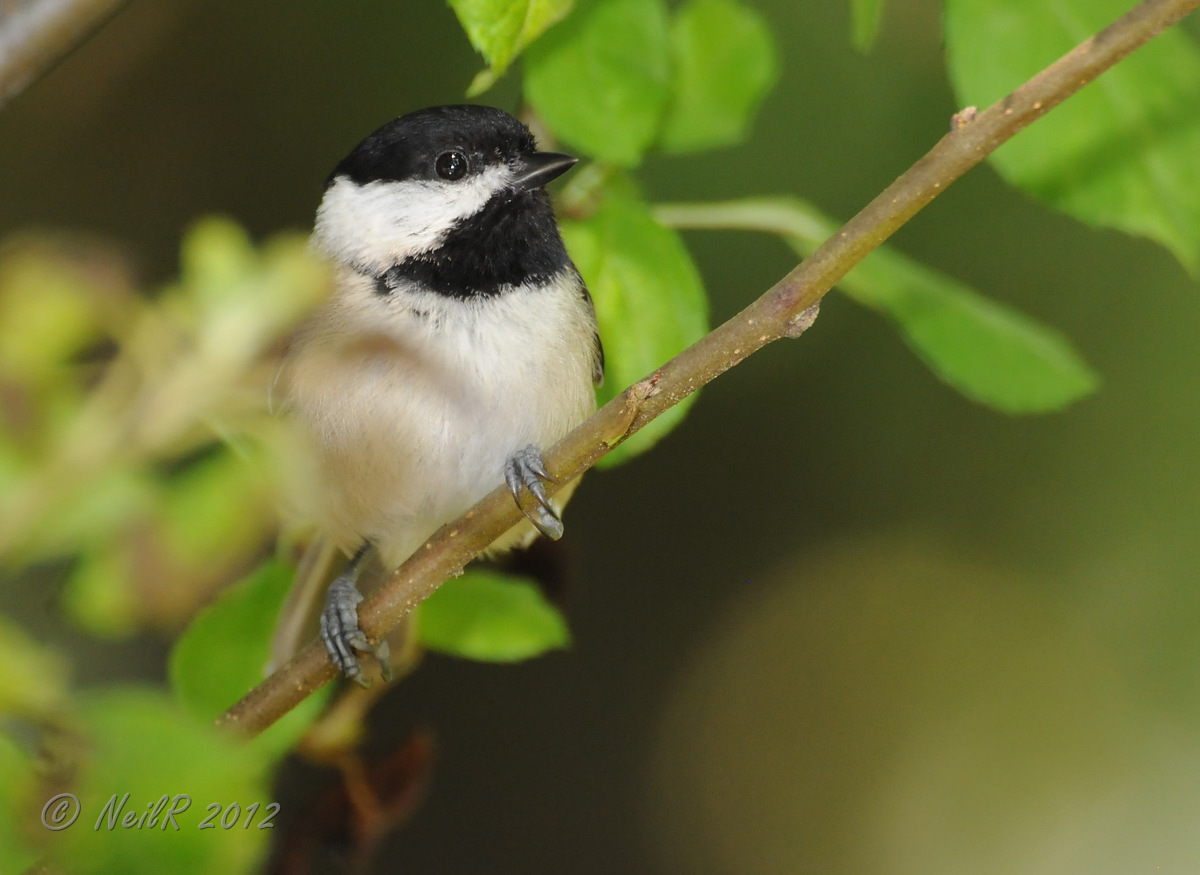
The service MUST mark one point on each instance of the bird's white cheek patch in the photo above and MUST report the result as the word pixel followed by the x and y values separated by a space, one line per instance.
pixel 377 225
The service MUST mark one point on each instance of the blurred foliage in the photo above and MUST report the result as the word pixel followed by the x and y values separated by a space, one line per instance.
pixel 137 444
pixel 865 18
pixel 238 625
pixel 16 799
pixel 139 742
pixel 33 679
pixel 136 433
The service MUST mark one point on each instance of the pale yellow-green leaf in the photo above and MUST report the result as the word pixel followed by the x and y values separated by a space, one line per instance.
pixel 501 29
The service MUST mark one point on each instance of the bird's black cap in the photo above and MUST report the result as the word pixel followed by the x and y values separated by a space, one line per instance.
pixel 407 147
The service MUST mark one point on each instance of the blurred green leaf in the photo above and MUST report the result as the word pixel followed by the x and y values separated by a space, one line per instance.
pixel 100 509
pixel 138 742
pixel 216 256
pixel 192 364
pixel 49 311
pixel 99 594
pixel 725 63
pixel 866 16
pixel 490 617
pixel 1119 154
pixel 222 654
pixel 501 29
pixel 650 301
pixel 984 349
pixel 33 678
pixel 600 79
pixel 215 510
pixel 151 546
pixel 235 298
pixel 16 789
pixel 12 462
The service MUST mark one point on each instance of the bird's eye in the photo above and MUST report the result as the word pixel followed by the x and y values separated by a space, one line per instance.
pixel 451 165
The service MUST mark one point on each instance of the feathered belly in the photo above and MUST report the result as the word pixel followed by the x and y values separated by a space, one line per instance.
pixel 409 435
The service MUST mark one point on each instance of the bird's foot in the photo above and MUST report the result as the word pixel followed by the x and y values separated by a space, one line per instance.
pixel 342 636
pixel 525 472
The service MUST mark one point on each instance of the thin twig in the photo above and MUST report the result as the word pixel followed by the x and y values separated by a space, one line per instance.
pixel 35 34
pixel 782 312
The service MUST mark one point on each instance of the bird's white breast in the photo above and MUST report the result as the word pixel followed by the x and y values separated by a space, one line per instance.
pixel 414 401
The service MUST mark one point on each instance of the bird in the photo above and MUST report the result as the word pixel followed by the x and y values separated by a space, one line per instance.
pixel 458 340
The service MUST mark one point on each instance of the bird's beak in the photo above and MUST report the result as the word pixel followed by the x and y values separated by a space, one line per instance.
pixel 537 168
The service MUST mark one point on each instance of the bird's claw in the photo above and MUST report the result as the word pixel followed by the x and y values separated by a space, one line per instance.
pixel 343 638
pixel 526 471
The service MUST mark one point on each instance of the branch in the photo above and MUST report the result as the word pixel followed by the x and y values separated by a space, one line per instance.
pixel 784 311
pixel 35 34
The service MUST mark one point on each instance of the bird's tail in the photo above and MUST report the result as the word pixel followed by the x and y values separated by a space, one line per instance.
pixel 300 616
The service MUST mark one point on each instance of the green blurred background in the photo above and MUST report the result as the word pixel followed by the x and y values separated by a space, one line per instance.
pixel 843 620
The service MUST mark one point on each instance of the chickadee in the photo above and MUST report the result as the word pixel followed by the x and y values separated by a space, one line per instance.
pixel 458 340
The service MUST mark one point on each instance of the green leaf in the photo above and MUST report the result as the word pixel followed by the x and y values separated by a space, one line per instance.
pixel 215 509
pixel 17 788
pixel 986 350
pixel 725 63
pixel 600 79
pixel 866 16
pixel 96 512
pixel 650 301
pixel 13 462
pixel 99 594
pixel 216 256
pixel 236 299
pixel 491 617
pixel 138 742
pixel 500 29
pixel 33 678
pixel 1122 152
pixel 223 652
pixel 50 309
pixel 186 356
